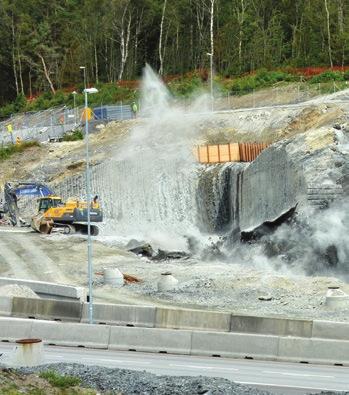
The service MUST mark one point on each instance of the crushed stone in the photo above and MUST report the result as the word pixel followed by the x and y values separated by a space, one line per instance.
pixel 15 290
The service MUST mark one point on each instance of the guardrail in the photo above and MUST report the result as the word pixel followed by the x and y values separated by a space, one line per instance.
pixel 186 342
pixel 172 319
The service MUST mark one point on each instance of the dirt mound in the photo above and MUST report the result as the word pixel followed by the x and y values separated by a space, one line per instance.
pixel 311 118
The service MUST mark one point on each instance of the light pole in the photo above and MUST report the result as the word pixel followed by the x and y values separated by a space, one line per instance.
pixel 84 68
pixel 74 93
pixel 88 201
pixel 211 77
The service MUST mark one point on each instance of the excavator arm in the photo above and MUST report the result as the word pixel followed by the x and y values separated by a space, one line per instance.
pixel 13 190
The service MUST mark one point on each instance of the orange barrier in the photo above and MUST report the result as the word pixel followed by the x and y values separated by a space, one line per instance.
pixel 233 152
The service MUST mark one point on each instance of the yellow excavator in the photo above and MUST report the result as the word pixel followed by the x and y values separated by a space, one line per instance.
pixel 68 217
pixel 53 214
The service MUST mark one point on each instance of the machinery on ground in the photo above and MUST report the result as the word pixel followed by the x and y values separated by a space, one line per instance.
pixel 53 214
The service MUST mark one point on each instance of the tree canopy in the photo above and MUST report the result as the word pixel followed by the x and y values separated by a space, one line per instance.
pixel 45 42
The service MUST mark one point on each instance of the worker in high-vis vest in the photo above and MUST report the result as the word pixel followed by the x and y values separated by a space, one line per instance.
pixel 134 109
pixel 10 128
pixel 87 112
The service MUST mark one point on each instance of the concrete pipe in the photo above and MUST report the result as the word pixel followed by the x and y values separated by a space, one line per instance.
pixel 28 352
pixel 113 277
pixel 336 298
pixel 167 282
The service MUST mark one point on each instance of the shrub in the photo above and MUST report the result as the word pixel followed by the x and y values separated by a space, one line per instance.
pixel 20 103
pixel 185 86
pixel 6 111
pixel 73 136
pixel 266 78
pixel 11 149
pixel 327 76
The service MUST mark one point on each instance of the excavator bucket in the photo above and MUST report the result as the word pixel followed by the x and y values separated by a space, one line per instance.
pixel 41 224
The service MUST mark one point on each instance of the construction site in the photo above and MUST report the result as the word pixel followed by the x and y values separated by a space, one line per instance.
pixel 236 212
pixel 237 224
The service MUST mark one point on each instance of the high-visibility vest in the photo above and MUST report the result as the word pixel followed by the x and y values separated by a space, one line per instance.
pixel 9 128
pixel 87 112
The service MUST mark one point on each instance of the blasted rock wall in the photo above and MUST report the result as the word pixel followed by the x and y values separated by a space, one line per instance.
pixel 272 185
pixel 307 171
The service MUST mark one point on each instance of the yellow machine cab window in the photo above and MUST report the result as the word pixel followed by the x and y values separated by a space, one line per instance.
pixel 46 203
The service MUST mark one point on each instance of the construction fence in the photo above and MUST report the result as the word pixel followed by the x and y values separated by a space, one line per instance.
pixel 51 124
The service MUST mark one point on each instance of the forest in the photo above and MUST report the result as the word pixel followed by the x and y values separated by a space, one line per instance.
pixel 43 43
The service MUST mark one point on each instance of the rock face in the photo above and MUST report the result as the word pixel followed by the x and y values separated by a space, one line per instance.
pixel 271 186
pixel 293 199
pixel 307 171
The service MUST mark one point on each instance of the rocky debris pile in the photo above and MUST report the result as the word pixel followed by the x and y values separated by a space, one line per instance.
pixel 133 382
pixel 15 290
pixel 146 250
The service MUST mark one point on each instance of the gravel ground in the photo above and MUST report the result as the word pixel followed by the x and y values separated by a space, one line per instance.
pixel 129 382
pixel 132 382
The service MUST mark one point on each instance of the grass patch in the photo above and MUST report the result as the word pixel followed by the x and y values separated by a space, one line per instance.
pixel 59 381
pixel 7 151
pixel 76 135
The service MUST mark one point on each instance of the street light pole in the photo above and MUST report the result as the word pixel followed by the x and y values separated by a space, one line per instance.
pixel 74 93
pixel 88 201
pixel 84 68
pixel 211 78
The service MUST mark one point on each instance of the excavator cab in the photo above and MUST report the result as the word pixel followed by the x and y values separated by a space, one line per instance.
pixel 49 202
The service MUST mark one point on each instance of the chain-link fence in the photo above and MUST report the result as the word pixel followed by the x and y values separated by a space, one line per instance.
pixel 41 126
pixel 277 95
pixel 51 124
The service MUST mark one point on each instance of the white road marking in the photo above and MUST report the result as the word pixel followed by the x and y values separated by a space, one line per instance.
pixel 202 367
pixel 298 374
pixel 13 231
pixel 289 386
pixel 115 361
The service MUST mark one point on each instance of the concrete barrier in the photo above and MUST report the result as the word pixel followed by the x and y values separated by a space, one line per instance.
pixel 70 334
pixel 150 340
pixel 12 329
pixel 115 314
pixel 325 351
pixel 331 330
pixel 235 345
pixel 52 290
pixel 46 309
pixel 5 306
pixel 192 319
pixel 271 326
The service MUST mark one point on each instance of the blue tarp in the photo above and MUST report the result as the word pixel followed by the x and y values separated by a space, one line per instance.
pixel 100 112
pixel 38 190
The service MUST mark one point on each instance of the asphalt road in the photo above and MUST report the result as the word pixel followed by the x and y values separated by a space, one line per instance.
pixel 276 377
